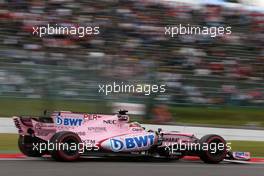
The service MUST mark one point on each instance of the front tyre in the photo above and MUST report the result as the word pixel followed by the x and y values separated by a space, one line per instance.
pixel 215 151
pixel 66 146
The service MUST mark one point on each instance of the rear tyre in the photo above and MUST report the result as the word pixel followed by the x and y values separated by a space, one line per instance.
pixel 26 146
pixel 66 146
pixel 216 149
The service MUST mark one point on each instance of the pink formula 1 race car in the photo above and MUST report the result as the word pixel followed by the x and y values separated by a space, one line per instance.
pixel 67 136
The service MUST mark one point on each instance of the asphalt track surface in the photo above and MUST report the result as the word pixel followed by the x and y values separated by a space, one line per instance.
pixel 124 167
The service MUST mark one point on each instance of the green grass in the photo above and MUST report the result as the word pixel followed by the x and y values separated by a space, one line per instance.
pixel 9 145
pixel 226 116
pixel 256 148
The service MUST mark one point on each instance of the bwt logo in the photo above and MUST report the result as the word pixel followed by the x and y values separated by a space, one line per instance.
pixel 132 143
pixel 69 121
pixel 116 145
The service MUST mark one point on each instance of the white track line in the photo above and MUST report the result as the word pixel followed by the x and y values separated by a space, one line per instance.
pixel 48 158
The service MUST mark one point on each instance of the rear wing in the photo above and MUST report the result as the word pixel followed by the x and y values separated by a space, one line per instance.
pixel 22 124
pixel 41 127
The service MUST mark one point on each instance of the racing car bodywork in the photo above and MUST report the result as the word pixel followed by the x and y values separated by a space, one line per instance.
pixel 97 134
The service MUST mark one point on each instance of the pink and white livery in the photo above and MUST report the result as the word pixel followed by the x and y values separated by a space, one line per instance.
pixel 67 136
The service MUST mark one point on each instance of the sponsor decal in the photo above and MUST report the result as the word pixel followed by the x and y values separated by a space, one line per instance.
pixel 91 116
pixel 116 145
pixel 81 133
pixel 137 129
pixel 170 139
pixel 110 122
pixel 39 126
pixel 67 121
pixel 65 128
pixel 17 124
pixel 132 142
pixel 89 141
pixel 241 154
pixel 41 131
pixel 45 132
pixel 96 129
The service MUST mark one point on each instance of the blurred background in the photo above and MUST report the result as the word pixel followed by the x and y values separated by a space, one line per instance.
pixel 209 81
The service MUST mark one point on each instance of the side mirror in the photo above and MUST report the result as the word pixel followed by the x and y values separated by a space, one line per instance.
pixel 159 130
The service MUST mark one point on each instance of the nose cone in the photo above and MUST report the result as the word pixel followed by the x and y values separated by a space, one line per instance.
pixel 113 144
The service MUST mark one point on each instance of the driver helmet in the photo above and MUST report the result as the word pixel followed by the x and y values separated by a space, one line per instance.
pixel 134 124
